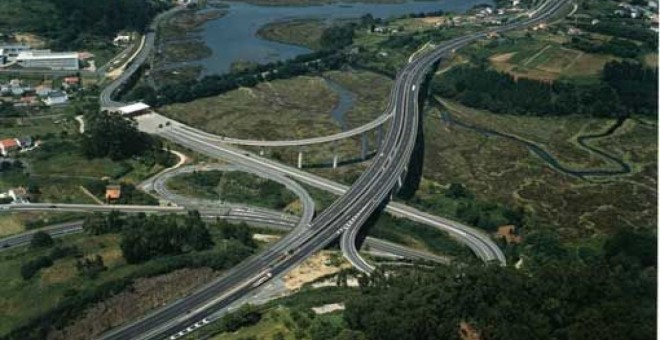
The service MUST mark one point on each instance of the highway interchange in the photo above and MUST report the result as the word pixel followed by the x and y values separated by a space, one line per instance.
pixel 344 216
pixel 342 219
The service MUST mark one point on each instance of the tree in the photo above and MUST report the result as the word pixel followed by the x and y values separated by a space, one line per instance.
pixel 41 239
pixel 337 36
pixel 110 135
pixel 322 329
pixel 457 190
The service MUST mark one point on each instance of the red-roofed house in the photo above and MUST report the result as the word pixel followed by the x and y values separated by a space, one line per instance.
pixel 7 145
pixel 69 82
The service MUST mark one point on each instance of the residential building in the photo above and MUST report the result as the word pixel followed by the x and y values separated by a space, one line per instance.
pixel 70 82
pixel 121 39
pixel 112 192
pixel 43 90
pixel 508 233
pixel 49 60
pixel 8 145
pixel 56 98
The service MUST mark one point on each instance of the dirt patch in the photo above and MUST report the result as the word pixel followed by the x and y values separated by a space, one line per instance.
pixel 502 58
pixel 651 60
pixel 317 266
pixel 433 20
pixel 142 296
pixel 30 39
pixel 468 332
pixel 325 309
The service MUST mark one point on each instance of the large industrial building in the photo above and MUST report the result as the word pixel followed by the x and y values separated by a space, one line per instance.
pixel 8 53
pixel 45 59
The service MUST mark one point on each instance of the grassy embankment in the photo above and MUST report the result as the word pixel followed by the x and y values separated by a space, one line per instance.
pixel 290 317
pixel 26 299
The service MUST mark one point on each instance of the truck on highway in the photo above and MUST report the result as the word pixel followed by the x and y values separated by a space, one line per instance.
pixel 262 279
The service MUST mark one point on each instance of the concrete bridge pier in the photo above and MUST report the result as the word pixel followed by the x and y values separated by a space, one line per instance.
pixel 300 159
pixel 335 156
pixel 365 146
pixel 261 151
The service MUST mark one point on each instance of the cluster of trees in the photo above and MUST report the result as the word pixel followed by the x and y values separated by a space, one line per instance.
pixel 243 317
pixel 145 237
pixel 110 135
pixel 618 47
pixel 502 93
pixel 635 85
pixel 474 212
pixel 8 165
pixel 601 294
pixel 32 267
pixel 41 239
pixel 337 36
pixel 70 24
pixel 213 85
pixel 148 237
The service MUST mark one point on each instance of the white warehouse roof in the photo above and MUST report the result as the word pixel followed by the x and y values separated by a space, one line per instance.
pixel 37 55
pixel 137 107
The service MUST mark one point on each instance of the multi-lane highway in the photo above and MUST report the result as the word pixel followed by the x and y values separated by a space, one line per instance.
pixel 377 245
pixel 346 214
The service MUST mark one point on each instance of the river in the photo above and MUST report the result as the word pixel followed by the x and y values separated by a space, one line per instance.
pixel 233 37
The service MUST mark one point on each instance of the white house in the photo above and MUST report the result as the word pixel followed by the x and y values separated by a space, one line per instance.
pixel 121 39
pixel 56 98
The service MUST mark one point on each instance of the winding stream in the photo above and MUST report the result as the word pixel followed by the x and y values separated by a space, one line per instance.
pixel 623 167
pixel 345 103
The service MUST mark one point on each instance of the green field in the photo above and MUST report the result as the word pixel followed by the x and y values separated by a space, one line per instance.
pixel 282 109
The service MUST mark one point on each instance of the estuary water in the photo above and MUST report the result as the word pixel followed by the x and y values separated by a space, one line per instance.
pixel 233 37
